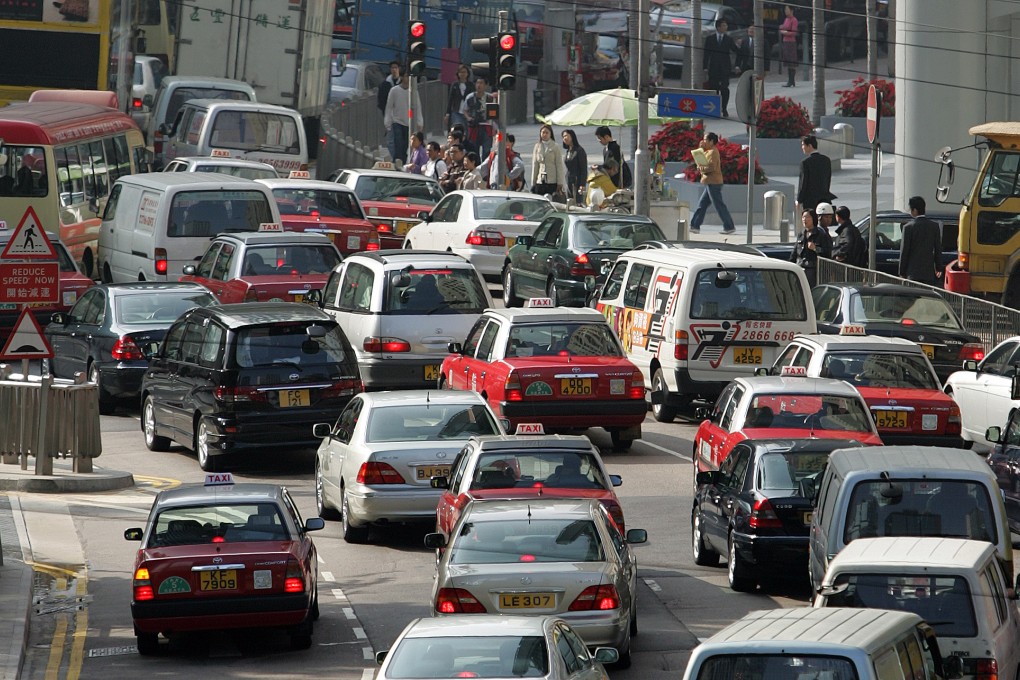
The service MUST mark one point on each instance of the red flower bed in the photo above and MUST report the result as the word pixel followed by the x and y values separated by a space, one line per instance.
pixel 674 142
pixel 854 102
pixel 783 118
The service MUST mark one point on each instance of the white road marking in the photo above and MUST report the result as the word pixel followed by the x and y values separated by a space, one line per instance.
pixel 339 594
pixel 360 633
pixel 318 557
pixel 681 456
pixel 653 586
pixel 349 613
pixel 327 576
pixel 368 655
pixel 367 674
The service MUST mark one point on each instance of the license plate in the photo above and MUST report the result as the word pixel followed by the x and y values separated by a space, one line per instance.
pixel 211 581
pixel 299 298
pixel 747 355
pixel 510 241
pixel 430 471
pixel 8 306
pixel 289 398
pixel 527 600
pixel 929 351
pixel 431 372
pixel 402 227
pixel 891 419
pixel 808 517
pixel 575 387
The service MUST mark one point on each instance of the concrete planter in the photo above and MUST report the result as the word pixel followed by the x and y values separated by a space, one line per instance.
pixel 782 156
pixel 886 131
pixel 735 197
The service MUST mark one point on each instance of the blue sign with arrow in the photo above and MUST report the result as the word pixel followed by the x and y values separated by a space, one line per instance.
pixel 689 104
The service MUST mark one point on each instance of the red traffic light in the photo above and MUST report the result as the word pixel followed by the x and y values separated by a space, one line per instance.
pixel 417 29
pixel 507 42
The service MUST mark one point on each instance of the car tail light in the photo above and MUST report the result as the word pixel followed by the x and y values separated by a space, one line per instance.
pixel 457 601
pixel 294 581
pixel 322 140
pixel 342 388
pixel 136 103
pixel 954 425
pixel 512 388
pixel 972 350
pixel 125 349
pixel 963 261
pixel 234 395
pixel 482 237
pixel 142 585
pixel 680 348
pixel 157 143
pixel 599 598
pixel 373 241
pixel 378 473
pixel 385 228
pixel 616 512
pixel 582 267
pixel 763 516
pixel 637 386
pixel 981 669
pixel 377 345
pixel 160 261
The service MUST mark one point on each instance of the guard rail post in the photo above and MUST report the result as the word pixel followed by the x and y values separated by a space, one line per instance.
pixel 43 462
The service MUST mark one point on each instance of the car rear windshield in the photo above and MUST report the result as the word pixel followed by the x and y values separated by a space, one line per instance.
pixel 207 213
pixel 873 369
pixel 808 411
pixel 920 507
pixel 220 523
pixel 785 666
pixel 783 471
pixel 397 190
pixel 742 294
pixel 289 260
pixel 590 234
pixel 530 540
pixel 503 656
pixel 903 308
pixel 943 601
pixel 158 307
pixel 428 422
pixel 255 130
pixel 318 203
pixel 511 208
pixel 525 469
pixel 453 290
pixel 563 339
pixel 184 94
pixel 289 344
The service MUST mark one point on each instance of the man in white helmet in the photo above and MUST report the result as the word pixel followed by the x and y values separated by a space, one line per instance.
pixel 826 218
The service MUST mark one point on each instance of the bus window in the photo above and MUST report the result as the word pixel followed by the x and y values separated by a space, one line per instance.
pixel 72 188
pixel 118 160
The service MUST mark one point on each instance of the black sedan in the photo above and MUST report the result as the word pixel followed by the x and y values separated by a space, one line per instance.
pixel 114 328
pixel 756 508
pixel 566 249
pixel 919 315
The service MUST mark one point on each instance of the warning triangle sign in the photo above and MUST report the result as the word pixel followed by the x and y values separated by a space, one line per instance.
pixel 27 340
pixel 29 241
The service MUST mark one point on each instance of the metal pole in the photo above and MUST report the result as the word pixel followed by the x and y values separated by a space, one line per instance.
pixel 752 136
pixel 873 224
pixel 641 197
pixel 43 462
pixel 412 87
pixel 503 99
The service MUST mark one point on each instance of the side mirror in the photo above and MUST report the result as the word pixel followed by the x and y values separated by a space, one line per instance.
pixel 952 667
pixel 707 477
pixel 133 534
pixel 616 480
pixel 761 370
pixel 636 536
pixel 400 280
pixel 322 430
pixel 190 270
pixel 441 482
pixel 315 524
pixel 505 424
pixel 147 101
pixel 94 206
pixel 58 318
pixel 316 331
pixel 526 241
pixel 163 129
pixel 435 541
pixel 589 284
pixel 314 296
pixel 1014 388
pixel 970 365
pixel 424 215
pixel 994 434
pixel 606 655
pixel 381 656
pixel 455 348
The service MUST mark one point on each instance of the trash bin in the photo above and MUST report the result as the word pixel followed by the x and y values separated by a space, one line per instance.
pixel 775 209
pixel 844 133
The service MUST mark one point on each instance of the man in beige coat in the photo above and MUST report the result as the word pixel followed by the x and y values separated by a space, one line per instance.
pixel 712 178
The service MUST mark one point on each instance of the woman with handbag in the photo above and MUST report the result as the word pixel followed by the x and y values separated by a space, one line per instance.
pixel 459 92
pixel 576 161
pixel 548 173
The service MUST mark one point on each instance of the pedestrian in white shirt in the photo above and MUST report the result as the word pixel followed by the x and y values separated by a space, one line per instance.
pixel 395 119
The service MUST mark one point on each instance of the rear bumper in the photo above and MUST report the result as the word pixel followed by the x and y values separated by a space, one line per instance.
pixel 576 413
pixel 220 613
pixel 600 629
pixel 401 504
pixel 897 439
pixel 399 374
pixel 268 429
pixel 122 379
pixel 776 554
pixel 697 389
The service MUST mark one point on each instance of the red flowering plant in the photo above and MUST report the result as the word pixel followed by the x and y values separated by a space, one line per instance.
pixel 783 118
pixel 854 102
pixel 674 141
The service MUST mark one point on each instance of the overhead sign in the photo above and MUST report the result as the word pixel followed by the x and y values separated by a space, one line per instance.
pixel 29 282
pixel 874 113
pixel 29 241
pixel 27 341
pixel 689 104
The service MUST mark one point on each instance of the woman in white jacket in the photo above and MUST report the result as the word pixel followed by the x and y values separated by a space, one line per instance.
pixel 548 172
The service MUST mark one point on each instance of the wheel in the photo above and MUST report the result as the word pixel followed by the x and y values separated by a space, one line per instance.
pixel 87 264
pixel 350 533
pixel 553 293
pixel 148 644
pixel 510 298
pixel 633 621
pixel 738 574
pixel 107 274
pixel 315 604
pixel 663 412
pixel 107 404
pixel 324 511
pixel 619 443
pixel 206 461
pixel 153 441
pixel 703 555
pixel 624 661
pixel 301 637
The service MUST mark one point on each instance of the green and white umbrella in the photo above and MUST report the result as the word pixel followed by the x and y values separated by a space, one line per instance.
pixel 616 108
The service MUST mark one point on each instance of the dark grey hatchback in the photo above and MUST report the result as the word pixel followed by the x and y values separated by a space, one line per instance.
pixel 245 376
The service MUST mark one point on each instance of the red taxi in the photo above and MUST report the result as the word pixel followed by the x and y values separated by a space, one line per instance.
pixel 895 377
pixel 563 368
pixel 782 407
pixel 393 200
pixel 264 266
pixel 324 207
pixel 221 556
pixel 526 466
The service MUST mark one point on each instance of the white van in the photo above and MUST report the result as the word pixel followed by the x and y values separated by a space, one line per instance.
pixel 156 223
pixel 257 132
pixel 694 319
pixel 905 491
pixel 954 584
pixel 817 644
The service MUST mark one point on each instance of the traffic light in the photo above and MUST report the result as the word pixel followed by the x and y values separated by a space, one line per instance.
pixel 416 48
pixel 506 60
pixel 484 69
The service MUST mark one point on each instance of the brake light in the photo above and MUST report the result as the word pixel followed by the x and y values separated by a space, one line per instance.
pixel 972 350
pixel 234 395
pixel 512 388
pixel 160 261
pixel 457 601
pixel 142 585
pixel 482 237
pixel 581 267
pixel 136 103
pixel 373 241
pixel 125 349
pixel 680 346
pixel 616 512
pixel 342 388
pixel 763 516
pixel 322 140
pixel 599 598
pixel 157 143
pixel 963 261
pixel 294 581
pixel 385 227
pixel 377 345
pixel 637 386
pixel 953 425
pixel 378 473
pixel 984 669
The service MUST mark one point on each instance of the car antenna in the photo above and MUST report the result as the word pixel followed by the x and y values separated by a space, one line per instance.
pixel 529 513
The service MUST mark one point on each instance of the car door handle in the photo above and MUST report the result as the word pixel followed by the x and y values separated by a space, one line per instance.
pixel 482 375
pixel 465 369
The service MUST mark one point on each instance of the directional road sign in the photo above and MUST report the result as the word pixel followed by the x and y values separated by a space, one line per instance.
pixel 690 104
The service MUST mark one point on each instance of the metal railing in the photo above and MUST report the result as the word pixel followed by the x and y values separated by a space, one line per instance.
pixel 991 322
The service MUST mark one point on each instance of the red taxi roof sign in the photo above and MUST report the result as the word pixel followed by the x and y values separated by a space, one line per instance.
pixel 219 479
pixel 220 153
pixel 853 329
pixel 539 302
pixel 530 428
pixel 793 371
pixel 270 226
pixel 300 174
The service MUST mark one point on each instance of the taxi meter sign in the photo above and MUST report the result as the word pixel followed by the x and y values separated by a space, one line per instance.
pixel 27 341
pixel 29 241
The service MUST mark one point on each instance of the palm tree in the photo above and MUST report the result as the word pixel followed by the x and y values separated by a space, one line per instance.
pixel 817 62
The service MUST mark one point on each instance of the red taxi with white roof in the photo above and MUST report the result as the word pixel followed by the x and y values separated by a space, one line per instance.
pixel 325 207
pixel 269 265
pixel 894 376
pixel 221 556
pixel 563 368
pixel 791 406
pixel 529 464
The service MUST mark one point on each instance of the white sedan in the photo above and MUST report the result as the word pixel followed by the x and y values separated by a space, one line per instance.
pixel 982 391
pixel 481 225
pixel 375 465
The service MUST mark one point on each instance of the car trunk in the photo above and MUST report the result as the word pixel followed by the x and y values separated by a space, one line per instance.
pixel 217 570
pixel 286 287
pixel 941 345
pixel 602 260
pixel 511 231
pixel 793 512
pixel 349 236
pixel 924 412
pixel 418 461
pixel 553 585
pixel 577 378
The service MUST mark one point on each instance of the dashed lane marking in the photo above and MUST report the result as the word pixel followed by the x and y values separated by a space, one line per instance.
pixel 653 586
pixel 675 454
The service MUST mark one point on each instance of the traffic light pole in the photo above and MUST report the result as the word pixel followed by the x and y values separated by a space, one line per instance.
pixel 503 98
pixel 412 88
pixel 642 202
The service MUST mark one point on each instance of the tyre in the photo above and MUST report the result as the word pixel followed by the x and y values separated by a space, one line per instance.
pixel 107 404
pixel 738 573
pixel 315 605
pixel 148 644
pixel 703 555
pixel 552 291
pixel 324 511
pixel 153 441
pixel 663 412
pixel 633 621
pixel 88 265
pixel 510 298
pixel 619 443
pixel 107 276
pixel 624 661
pixel 351 534
pixel 301 637
pixel 206 460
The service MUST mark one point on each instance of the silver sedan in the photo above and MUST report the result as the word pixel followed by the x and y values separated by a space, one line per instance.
pixel 542 556
pixel 375 465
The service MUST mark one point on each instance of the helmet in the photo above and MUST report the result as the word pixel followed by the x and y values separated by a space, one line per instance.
pixel 824 209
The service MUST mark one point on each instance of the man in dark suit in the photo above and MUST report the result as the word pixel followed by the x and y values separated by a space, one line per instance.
pixel 921 246
pixel 815 176
pixel 718 63
pixel 745 52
